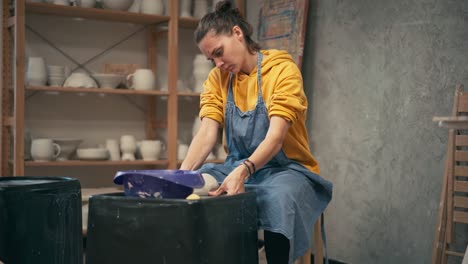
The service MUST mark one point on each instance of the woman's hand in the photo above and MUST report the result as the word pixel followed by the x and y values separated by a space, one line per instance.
pixel 233 183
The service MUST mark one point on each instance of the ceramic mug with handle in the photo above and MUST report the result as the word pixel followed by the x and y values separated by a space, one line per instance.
pixel 44 149
pixel 141 79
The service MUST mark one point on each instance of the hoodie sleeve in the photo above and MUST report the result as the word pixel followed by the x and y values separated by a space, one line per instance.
pixel 211 100
pixel 288 99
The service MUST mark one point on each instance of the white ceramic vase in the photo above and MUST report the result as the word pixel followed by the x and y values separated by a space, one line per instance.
pixel 185 7
pixel 150 149
pixel 128 147
pixel 152 7
pixel 201 69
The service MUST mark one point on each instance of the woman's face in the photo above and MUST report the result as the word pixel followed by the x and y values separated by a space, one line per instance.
pixel 226 51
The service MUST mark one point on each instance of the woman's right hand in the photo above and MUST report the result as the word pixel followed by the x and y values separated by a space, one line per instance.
pixel 233 183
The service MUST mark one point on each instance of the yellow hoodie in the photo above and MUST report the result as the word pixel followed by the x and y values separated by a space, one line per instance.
pixel 282 91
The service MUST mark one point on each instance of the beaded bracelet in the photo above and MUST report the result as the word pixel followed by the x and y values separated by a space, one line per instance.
pixel 253 165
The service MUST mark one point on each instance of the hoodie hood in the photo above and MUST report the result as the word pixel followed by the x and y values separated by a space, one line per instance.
pixel 273 57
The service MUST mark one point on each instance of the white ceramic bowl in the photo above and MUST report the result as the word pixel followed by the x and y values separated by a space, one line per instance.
pixel 117 4
pixel 108 80
pixel 80 79
pixel 92 154
pixel 67 147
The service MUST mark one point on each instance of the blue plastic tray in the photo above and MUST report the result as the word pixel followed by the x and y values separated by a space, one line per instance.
pixel 159 183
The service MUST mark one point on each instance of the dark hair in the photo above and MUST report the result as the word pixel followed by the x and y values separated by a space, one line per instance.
pixel 222 20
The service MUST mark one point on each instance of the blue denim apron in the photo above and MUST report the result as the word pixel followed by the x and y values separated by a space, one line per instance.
pixel 290 197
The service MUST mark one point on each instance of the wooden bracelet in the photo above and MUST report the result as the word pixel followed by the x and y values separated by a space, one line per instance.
pixel 253 165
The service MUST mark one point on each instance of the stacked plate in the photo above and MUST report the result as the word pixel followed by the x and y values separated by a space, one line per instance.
pixel 56 75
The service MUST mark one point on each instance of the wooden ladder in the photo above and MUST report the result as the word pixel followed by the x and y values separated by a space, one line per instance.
pixel 453 199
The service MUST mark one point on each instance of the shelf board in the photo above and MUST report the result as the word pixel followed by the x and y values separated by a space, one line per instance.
pixel 94 13
pixel 188 22
pixel 94 90
pixel 94 163
pixel 188 94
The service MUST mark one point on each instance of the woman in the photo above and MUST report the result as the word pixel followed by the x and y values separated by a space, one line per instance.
pixel 257 96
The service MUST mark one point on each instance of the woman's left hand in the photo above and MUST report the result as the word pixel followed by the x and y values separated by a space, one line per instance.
pixel 233 183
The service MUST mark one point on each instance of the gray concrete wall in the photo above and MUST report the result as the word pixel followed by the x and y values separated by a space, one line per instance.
pixel 376 72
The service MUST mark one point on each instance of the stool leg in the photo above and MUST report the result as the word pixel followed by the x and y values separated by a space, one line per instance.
pixel 318 256
pixel 304 259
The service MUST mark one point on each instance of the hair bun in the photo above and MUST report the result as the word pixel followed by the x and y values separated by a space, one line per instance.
pixel 223 6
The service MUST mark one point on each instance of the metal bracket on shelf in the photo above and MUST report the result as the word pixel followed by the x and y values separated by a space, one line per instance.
pixel 83 65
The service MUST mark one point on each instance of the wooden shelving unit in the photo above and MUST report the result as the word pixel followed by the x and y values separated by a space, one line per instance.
pixel 94 13
pixel 159 163
pixel 93 90
pixel 14 90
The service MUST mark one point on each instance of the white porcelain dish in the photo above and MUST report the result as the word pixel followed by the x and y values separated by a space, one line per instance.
pixel 117 4
pixel 92 154
pixel 108 80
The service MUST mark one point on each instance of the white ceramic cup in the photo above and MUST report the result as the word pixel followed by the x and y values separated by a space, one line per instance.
pixel 87 3
pixel 182 150
pixel 113 147
pixel 62 2
pixel 56 81
pixel 150 149
pixel 152 7
pixel 44 149
pixel 36 71
pixel 56 70
pixel 141 79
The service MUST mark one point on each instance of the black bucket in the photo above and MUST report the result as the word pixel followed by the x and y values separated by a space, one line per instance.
pixel 213 230
pixel 40 220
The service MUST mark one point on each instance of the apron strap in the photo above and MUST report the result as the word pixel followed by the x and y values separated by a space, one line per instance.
pixel 259 76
